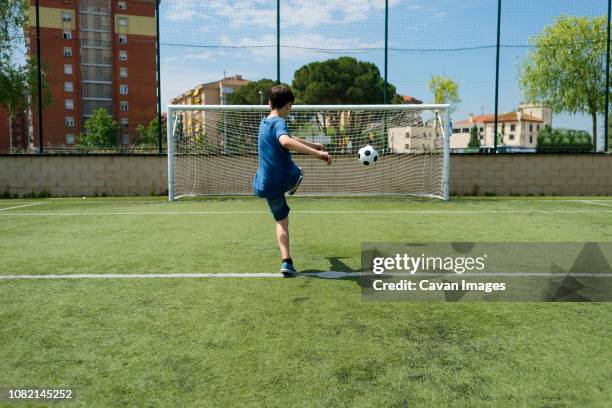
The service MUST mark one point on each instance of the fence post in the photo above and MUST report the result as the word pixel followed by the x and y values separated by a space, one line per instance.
pixel 39 78
pixel 385 91
pixel 159 112
pixel 278 41
pixel 607 109
pixel 497 76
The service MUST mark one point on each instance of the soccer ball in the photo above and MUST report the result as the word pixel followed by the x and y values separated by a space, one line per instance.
pixel 367 155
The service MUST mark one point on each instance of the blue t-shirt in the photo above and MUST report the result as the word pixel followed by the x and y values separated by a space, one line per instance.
pixel 277 173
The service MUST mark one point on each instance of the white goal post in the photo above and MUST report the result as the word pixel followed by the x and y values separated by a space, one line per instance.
pixel 212 149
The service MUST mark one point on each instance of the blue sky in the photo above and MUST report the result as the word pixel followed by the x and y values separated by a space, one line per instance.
pixel 201 39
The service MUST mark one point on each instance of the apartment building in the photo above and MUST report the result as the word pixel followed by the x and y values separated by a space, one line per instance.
pixel 99 54
pixel 517 129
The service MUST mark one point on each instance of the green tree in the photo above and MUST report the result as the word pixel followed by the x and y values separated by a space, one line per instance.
pixel 249 94
pixel 18 76
pixel 343 80
pixel 564 141
pixel 13 20
pixel 474 139
pixel 445 90
pixel 148 136
pixel 101 131
pixel 565 69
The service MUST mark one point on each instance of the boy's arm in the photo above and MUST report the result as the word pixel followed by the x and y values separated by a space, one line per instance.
pixel 316 146
pixel 292 144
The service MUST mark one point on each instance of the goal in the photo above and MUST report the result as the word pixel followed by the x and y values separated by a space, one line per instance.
pixel 212 149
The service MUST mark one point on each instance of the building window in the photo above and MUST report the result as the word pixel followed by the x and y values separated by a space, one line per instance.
pixel 530 139
pixel 481 137
pixel 512 128
pixel 66 17
pixel 123 72
pixel 69 121
pixel 481 130
pixel 68 69
pixel 69 104
pixel 538 127
pixel 68 87
pixel 122 55
pixel 123 106
pixel 122 39
pixel 122 22
pixel 125 139
pixel 531 127
pixel 511 136
pixel 407 135
pixel 67 35
pixel 466 130
pixel 121 5
pixel 125 122
pixel 67 52
pixel 69 138
pixel 123 89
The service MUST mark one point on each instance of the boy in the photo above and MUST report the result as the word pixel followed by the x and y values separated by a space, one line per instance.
pixel 277 173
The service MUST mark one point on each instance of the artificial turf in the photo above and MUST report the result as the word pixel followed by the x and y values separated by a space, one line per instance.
pixel 286 342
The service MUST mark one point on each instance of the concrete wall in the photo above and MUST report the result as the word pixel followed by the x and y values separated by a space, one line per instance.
pixel 84 175
pixel 567 175
pixel 146 175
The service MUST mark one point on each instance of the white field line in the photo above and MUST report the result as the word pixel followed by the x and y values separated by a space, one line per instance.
pixel 595 202
pixel 20 206
pixel 326 275
pixel 336 212
pixel 90 200
pixel 329 275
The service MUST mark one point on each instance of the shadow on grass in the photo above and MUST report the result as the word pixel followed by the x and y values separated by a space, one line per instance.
pixel 338 270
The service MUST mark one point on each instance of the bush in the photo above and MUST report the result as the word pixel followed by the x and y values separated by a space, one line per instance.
pixel 564 141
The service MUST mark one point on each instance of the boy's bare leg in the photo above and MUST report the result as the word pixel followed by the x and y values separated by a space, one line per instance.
pixel 282 237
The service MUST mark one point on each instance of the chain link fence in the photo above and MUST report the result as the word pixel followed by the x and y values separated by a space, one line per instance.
pixel 95 76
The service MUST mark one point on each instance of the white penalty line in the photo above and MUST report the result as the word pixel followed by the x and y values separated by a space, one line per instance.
pixel 20 206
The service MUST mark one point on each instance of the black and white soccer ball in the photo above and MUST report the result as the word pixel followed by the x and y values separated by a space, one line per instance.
pixel 367 155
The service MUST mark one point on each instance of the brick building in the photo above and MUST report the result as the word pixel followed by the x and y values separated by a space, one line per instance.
pixel 99 54
pixel 15 139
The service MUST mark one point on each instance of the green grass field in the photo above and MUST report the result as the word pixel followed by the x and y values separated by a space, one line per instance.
pixel 286 342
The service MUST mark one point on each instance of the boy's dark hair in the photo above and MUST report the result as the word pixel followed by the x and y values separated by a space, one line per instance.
pixel 280 95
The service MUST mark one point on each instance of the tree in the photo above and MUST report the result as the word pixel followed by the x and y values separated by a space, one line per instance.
pixel 343 80
pixel 18 76
pixel 13 94
pixel 149 135
pixel 564 141
pixel 445 90
pixel 249 94
pixel 101 131
pixel 474 139
pixel 13 20
pixel 565 69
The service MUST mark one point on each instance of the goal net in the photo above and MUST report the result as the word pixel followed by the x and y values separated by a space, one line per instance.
pixel 212 149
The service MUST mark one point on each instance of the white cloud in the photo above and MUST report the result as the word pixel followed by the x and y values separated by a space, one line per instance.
pixel 262 13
